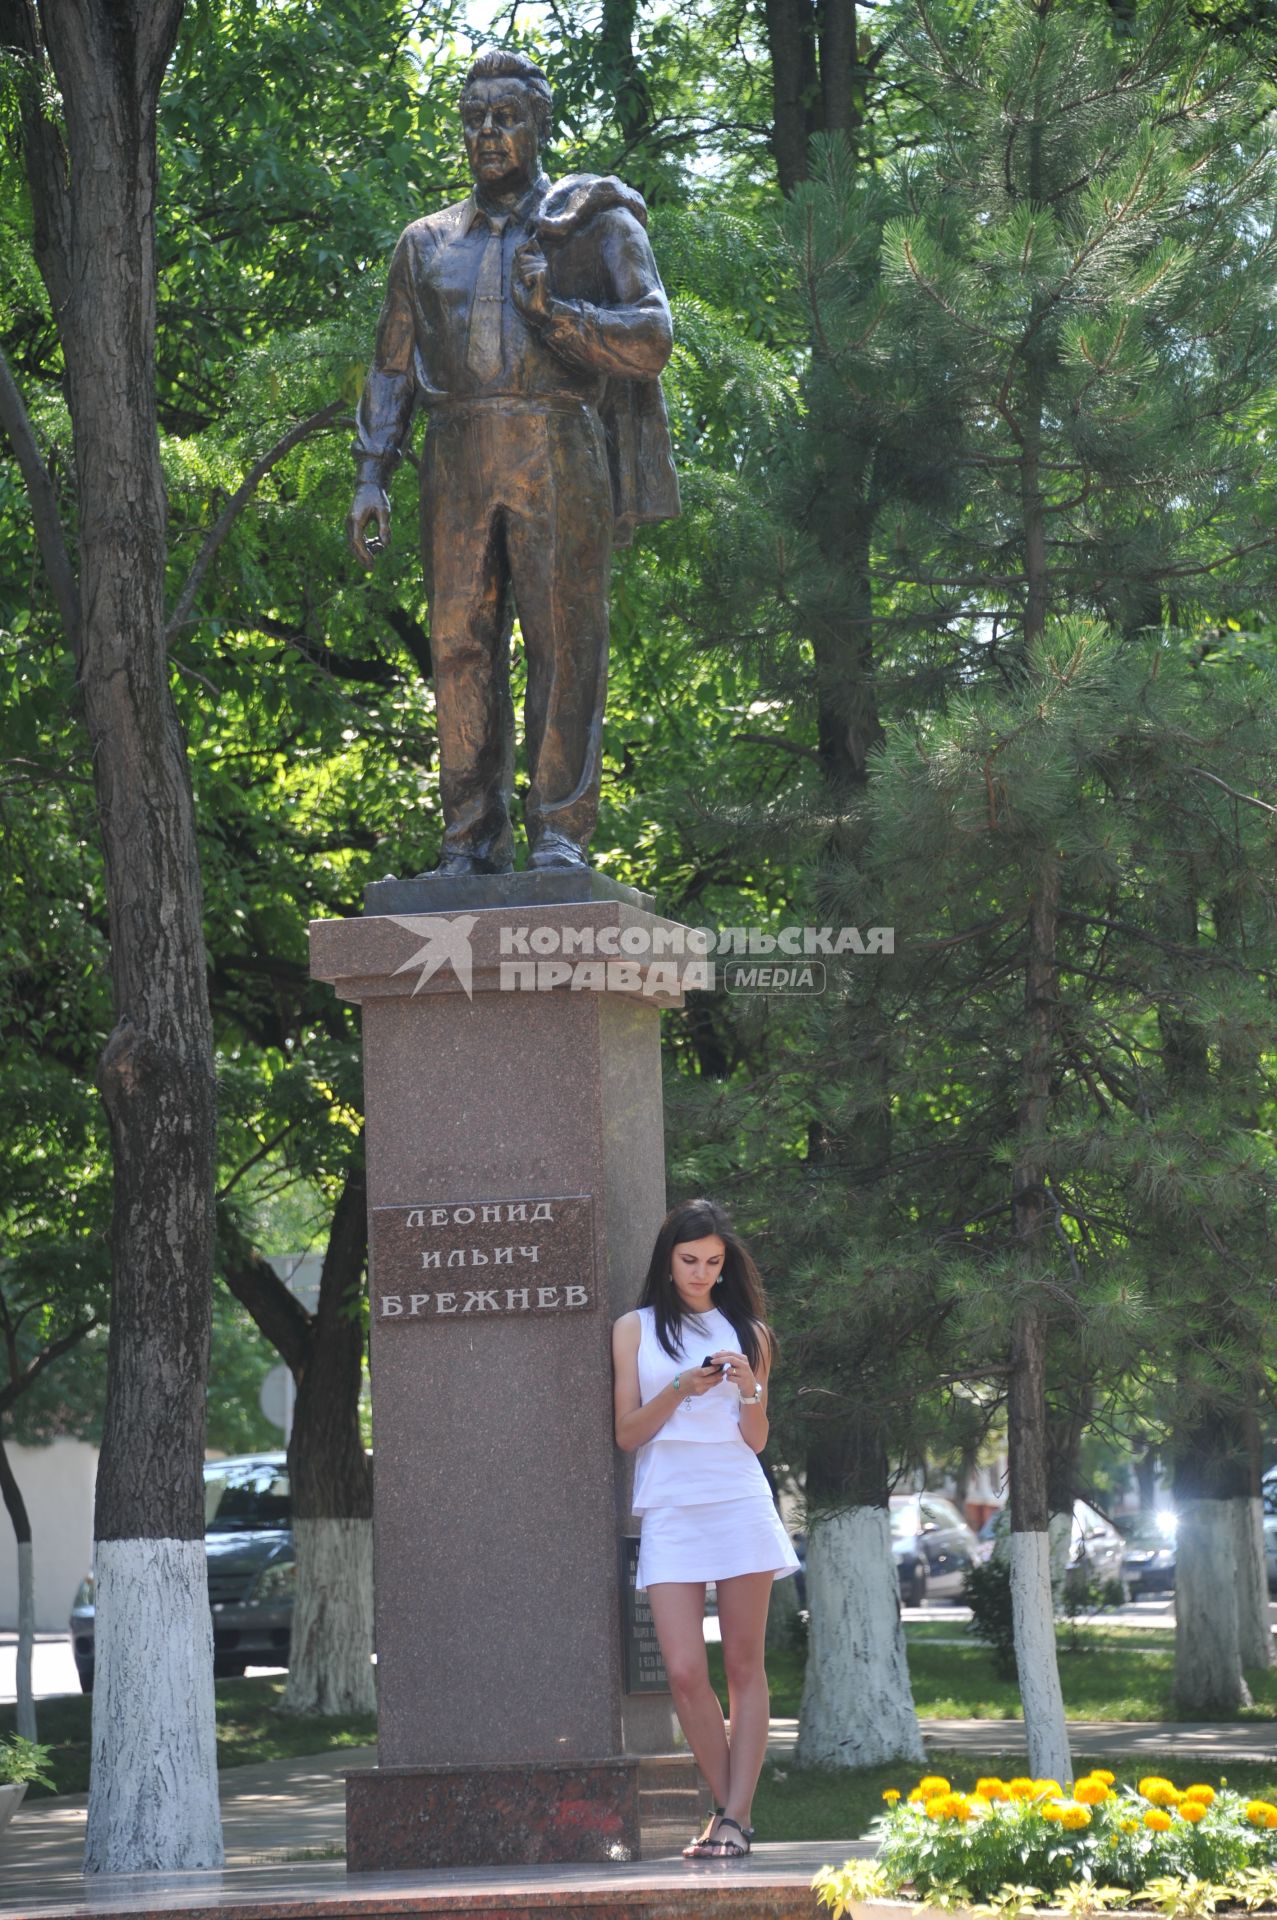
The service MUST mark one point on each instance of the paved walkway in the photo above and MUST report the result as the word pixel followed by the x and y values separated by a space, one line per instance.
pixel 294 1810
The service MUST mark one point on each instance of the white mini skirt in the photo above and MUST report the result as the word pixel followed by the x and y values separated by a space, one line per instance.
pixel 714 1542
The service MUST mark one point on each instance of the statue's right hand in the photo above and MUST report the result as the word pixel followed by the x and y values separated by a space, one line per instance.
pixel 370 503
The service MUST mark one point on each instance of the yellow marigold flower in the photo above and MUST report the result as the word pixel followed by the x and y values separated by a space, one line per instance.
pixel 978 1803
pixel 931 1784
pixel 959 1807
pixel 937 1806
pixel 1261 1813
pixel 917 1797
pixel 991 1787
pixel 1053 1811
pixel 891 1795
pixel 1102 1773
pixel 1201 1792
pixel 1192 1811
pixel 1130 1826
pixel 1091 1792
pixel 1021 1789
pixel 1044 1787
pixel 1075 1817
pixel 1159 1791
pixel 1158 1819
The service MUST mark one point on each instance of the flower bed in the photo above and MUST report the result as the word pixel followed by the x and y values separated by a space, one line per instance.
pixel 1009 1846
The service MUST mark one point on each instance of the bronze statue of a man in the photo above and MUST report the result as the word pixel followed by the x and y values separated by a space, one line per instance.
pixel 530 324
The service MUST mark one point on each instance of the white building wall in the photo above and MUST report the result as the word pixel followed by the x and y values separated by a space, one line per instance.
pixel 57 1484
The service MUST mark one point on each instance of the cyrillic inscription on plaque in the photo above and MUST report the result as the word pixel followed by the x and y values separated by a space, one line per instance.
pixel 459 1259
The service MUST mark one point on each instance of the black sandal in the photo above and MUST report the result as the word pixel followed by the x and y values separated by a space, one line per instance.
pixel 698 1849
pixel 722 1849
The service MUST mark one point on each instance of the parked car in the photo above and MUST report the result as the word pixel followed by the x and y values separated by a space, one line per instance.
pixel 932 1544
pixel 1149 1562
pixel 1096 1548
pixel 248 1543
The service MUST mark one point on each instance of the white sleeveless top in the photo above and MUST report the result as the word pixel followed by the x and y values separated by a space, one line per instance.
pixel 699 1455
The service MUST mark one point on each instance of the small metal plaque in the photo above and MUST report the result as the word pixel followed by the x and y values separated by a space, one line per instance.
pixel 640 1650
pixel 472 1259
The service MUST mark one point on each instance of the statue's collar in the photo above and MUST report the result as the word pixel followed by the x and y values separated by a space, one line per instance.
pixel 522 210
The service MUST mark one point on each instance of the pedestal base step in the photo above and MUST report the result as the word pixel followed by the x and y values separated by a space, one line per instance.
pixel 773 1884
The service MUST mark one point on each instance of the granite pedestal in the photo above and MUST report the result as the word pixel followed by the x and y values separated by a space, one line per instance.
pixel 516 1180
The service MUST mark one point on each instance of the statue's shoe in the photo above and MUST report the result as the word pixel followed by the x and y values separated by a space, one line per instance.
pixel 458 866
pixel 556 850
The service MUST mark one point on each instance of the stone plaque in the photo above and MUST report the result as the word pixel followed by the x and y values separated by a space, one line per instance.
pixel 644 1667
pixel 465 1259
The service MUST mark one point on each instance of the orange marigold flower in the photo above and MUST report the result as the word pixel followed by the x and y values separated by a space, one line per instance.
pixel 1102 1773
pixel 937 1806
pixel 1161 1792
pixel 991 1787
pixel 1091 1792
pixel 1261 1813
pixel 1021 1789
pixel 1075 1817
pixel 1053 1811
pixel 933 1783
pixel 1192 1811
pixel 891 1795
pixel 1158 1819
pixel 1201 1792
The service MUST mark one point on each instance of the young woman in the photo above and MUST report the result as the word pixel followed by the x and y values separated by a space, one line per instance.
pixel 691 1368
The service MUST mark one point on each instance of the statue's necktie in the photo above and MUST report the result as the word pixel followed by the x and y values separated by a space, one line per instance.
pixel 483 348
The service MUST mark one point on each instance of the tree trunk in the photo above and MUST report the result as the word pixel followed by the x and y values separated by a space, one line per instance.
pixel 784 1624
pixel 857 1704
pixel 330 1660
pixel 330 1663
pixel 16 1508
pixel 791 43
pixel 1254 1628
pixel 1210 1477
pixel 1032 1612
pixel 153 1794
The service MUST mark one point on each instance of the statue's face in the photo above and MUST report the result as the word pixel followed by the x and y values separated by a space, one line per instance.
pixel 501 135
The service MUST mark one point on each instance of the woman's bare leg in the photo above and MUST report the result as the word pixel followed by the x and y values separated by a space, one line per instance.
pixel 678 1614
pixel 742 1620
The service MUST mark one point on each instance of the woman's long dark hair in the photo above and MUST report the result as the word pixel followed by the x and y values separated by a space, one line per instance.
pixel 738 1291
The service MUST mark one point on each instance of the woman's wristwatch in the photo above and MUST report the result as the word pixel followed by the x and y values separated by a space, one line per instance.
pixel 752 1400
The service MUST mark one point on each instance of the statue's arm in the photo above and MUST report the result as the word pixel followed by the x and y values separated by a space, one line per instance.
pixel 632 334
pixel 384 414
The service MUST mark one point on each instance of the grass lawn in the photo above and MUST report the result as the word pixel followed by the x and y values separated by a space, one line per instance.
pixel 1106 1679
pixel 250 1729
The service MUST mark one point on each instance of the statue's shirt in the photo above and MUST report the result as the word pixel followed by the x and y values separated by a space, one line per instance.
pixel 609 318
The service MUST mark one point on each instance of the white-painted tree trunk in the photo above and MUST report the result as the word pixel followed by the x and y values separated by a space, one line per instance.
pixel 153 1803
pixel 26 1641
pixel 330 1663
pixel 1060 1534
pixel 1046 1730
pixel 1208 1668
pixel 1254 1632
pixel 857 1706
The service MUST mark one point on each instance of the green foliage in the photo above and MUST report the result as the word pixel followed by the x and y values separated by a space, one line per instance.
pixel 987 1591
pixel 23 1763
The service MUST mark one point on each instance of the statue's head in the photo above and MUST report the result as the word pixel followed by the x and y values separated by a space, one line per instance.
pixel 505 115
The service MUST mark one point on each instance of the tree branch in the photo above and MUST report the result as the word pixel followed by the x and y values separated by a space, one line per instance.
pixel 235 506
pixel 275 1309
pixel 44 506
pixel 17 1384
